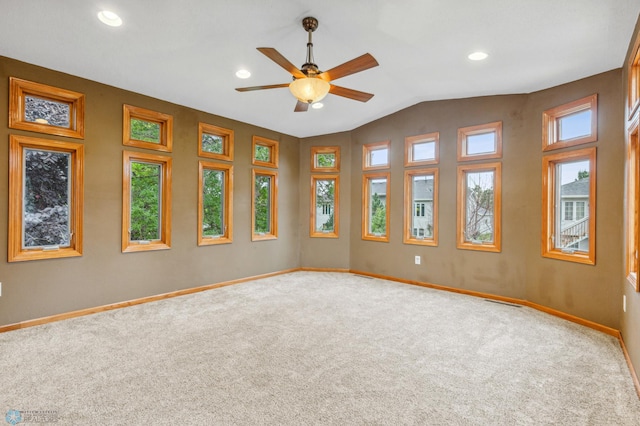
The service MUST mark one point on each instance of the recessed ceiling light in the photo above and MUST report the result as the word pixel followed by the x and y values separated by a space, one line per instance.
pixel 317 105
pixel 109 18
pixel 243 74
pixel 477 56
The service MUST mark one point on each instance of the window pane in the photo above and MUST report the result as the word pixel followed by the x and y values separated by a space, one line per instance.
pixel 145 201
pixel 147 131
pixel 326 160
pixel 479 224
pixel 377 206
pixel 325 205
pixel 212 143
pixel 572 223
pixel 46 198
pixel 482 143
pixel 422 193
pixel 262 204
pixel 423 151
pixel 575 125
pixel 46 111
pixel 379 157
pixel 213 202
pixel 263 153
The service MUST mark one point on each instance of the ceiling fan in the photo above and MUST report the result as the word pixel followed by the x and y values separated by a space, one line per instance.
pixel 309 84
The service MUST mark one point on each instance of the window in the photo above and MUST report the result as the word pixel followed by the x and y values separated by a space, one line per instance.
pixel 325 210
pixel 633 93
pixel 421 150
pixel 375 207
pixel 215 142
pixel 480 142
pixel 146 202
pixel 143 128
pixel 215 203
pixel 633 204
pixel 45 109
pixel 325 159
pixel 265 152
pixel 479 207
pixel 264 196
pixel 568 206
pixel 570 124
pixel 375 155
pixel 45 199
pixel 421 204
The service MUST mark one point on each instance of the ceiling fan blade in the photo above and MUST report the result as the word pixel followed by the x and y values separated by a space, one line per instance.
pixel 353 66
pixel 276 57
pixel 301 107
pixel 350 93
pixel 272 86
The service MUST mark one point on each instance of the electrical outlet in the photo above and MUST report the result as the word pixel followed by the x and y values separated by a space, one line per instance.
pixel 624 302
pixel 417 260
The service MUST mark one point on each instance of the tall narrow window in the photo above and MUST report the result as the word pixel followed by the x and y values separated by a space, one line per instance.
pixel 570 124
pixel 375 206
pixel 215 203
pixel 479 207
pixel 421 150
pixel 264 220
pixel 421 207
pixel 633 204
pixel 45 199
pixel 324 206
pixel 568 203
pixel 375 155
pixel 146 202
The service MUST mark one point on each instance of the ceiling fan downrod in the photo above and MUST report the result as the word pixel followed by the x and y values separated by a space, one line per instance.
pixel 309 68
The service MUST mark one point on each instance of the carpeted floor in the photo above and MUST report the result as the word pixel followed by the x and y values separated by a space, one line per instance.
pixel 311 348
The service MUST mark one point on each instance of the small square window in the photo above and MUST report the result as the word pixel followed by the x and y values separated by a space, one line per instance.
pixel 325 158
pixel 215 142
pixel 421 150
pixel 570 124
pixel 143 128
pixel 375 156
pixel 480 142
pixel 265 152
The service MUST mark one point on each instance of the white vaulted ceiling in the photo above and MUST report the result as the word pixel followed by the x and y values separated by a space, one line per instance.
pixel 188 51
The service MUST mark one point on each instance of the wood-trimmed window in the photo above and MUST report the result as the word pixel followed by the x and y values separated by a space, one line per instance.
pixel 45 109
pixel 633 204
pixel 375 156
pixel 633 94
pixel 264 152
pixel 570 124
pixel 422 150
pixel 479 207
pixel 568 231
pixel 147 129
pixel 421 207
pixel 375 206
pixel 45 198
pixel 146 202
pixel 264 205
pixel 215 203
pixel 325 159
pixel 480 142
pixel 215 142
pixel 325 206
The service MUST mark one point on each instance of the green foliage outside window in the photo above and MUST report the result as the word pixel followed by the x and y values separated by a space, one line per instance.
pixel 213 203
pixel 146 131
pixel 212 143
pixel 378 215
pixel 145 201
pixel 325 195
pixel 263 153
pixel 326 160
pixel 46 198
pixel 262 204
pixel 479 221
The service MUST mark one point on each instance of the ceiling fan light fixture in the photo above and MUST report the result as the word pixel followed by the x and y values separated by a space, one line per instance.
pixel 309 89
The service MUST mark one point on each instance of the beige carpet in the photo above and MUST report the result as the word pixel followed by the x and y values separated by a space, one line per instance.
pixel 311 348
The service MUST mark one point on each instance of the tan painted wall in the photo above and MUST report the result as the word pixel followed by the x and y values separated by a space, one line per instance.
pixel 103 274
